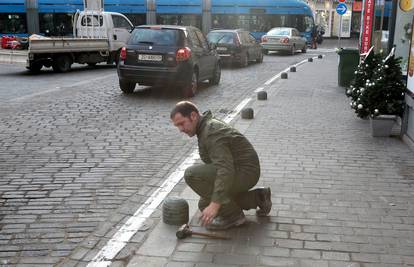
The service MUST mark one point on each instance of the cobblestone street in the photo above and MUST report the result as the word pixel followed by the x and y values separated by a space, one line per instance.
pixel 77 159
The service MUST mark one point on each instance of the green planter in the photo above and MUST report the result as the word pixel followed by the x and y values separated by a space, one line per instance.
pixel 348 62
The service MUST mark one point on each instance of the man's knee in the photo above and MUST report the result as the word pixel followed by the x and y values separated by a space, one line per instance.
pixel 189 175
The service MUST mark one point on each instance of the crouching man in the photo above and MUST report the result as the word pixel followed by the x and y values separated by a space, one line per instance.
pixel 231 168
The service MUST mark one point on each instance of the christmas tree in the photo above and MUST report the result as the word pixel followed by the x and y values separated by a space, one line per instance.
pixel 384 94
pixel 363 74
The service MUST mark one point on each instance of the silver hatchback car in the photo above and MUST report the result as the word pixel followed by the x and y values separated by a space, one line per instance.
pixel 283 39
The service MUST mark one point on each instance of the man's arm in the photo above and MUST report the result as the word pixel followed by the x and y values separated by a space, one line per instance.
pixel 222 159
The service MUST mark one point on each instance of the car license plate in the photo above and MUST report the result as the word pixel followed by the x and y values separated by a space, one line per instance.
pixel 147 57
pixel 220 48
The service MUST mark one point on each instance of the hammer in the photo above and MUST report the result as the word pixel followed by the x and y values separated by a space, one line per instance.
pixel 185 231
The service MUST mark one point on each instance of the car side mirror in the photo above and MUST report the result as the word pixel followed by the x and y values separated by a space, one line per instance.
pixel 213 46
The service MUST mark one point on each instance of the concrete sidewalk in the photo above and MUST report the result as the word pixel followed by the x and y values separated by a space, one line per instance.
pixel 340 196
pixel 11 56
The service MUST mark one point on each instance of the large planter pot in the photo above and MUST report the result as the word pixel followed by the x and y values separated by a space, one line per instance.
pixel 382 125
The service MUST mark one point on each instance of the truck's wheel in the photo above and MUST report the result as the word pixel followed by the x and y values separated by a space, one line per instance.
pixel 190 88
pixel 62 63
pixel 126 87
pixel 35 67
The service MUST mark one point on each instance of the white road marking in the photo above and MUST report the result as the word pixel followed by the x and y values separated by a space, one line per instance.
pixel 258 89
pixel 271 80
pixel 136 221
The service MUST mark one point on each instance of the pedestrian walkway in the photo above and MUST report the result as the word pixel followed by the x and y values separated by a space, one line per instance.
pixel 11 56
pixel 341 198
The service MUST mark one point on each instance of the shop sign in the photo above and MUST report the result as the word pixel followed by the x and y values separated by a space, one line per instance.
pixel 357 6
pixel 367 29
pixel 410 71
pixel 406 5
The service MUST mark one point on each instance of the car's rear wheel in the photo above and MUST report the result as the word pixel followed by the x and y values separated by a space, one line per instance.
pixel 126 87
pixel 292 50
pixel 260 58
pixel 216 76
pixel 244 62
pixel 190 88
pixel 304 49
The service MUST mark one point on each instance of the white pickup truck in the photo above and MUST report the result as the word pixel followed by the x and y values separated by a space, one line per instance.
pixel 98 37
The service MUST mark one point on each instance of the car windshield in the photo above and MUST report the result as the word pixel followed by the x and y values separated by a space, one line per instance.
pixel 220 37
pixel 154 36
pixel 278 32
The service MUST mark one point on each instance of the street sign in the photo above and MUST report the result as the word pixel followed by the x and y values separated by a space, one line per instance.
pixel 341 8
pixel 342 1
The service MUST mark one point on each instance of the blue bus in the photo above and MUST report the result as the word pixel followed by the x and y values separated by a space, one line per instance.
pixel 54 17
pixel 13 17
pixel 259 16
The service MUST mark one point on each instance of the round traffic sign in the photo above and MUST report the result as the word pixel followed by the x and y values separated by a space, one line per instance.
pixel 341 8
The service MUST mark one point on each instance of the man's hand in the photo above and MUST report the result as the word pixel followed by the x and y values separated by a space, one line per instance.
pixel 209 213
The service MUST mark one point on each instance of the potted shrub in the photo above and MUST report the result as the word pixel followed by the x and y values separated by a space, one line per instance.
pixel 377 91
pixel 383 96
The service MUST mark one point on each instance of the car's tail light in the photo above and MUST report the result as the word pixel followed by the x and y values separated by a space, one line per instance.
pixel 236 40
pixel 183 54
pixel 264 39
pixel 123 54
pixel 284 40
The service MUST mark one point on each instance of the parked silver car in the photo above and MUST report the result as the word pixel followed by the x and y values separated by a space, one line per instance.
pixel 283 39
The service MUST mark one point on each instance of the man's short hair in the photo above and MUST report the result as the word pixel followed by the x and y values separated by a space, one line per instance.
pixel 184 108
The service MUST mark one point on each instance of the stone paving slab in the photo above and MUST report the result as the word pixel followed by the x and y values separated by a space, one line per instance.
pixel 340 196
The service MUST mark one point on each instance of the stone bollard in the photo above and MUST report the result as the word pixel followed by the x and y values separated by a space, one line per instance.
pixel 175 211
pixel 262 95
pixel 247 113
pixel 284 75
pixel 310 59
pixel 320 56
pixel 293 69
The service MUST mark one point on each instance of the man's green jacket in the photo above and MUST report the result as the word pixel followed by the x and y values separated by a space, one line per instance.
pixel 229 152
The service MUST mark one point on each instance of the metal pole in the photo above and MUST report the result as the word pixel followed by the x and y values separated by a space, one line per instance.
pixel 340 31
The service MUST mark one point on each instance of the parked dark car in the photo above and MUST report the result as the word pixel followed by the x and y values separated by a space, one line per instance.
pixel 168 54
pixel 236 46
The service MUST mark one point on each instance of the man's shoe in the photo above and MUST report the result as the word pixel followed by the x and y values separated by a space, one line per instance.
pixel 265 202
pixel 223 223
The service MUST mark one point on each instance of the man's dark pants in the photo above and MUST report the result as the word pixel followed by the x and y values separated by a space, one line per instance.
pixel 201 179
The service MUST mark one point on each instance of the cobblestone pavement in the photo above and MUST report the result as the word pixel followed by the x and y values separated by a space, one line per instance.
pixel 341 198
pixel 77 160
